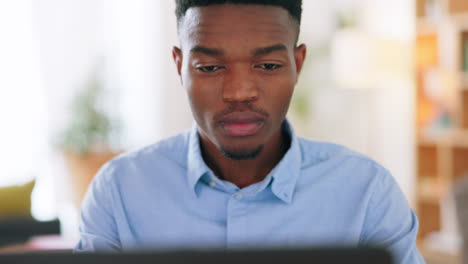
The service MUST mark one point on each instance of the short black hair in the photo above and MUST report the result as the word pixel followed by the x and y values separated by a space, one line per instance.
pixel 294 7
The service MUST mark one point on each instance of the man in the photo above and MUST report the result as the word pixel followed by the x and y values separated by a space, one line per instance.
pixel 241 178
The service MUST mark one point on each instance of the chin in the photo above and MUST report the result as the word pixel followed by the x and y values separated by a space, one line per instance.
pixel 242 154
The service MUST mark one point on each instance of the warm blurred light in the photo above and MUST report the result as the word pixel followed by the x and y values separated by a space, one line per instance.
pixel 362 61
pixel 425 55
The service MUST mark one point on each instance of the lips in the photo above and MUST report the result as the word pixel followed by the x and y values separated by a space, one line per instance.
pixel 242 124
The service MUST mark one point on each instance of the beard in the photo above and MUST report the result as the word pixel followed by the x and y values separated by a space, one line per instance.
pixel 237 155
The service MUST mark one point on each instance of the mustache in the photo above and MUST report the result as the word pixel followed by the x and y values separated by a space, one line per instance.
pixel 240 107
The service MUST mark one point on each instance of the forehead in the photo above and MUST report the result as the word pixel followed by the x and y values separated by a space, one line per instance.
pixel 247 25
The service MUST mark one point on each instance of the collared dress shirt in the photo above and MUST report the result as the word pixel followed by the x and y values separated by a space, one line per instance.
pixel 164 196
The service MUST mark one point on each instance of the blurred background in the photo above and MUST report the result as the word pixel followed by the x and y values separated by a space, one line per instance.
pixel 82 81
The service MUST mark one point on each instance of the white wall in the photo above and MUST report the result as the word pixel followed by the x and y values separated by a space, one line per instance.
pixel 127 40
pixel 22 104
pixel 132 33
pixel 378 122
pixel 177 115
pixel 69 42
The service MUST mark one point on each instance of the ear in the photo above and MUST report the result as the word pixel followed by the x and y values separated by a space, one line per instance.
pixel 177 56
pixel 299 56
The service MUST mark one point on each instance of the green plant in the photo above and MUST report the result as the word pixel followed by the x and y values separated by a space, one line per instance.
pixel 347 19
pixel 90 128
pixel 309 82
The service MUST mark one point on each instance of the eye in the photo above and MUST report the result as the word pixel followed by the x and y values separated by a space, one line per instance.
pixel 269 66
pixel 209 68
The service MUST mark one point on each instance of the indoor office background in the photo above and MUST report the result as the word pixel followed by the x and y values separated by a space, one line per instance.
pixel 84 80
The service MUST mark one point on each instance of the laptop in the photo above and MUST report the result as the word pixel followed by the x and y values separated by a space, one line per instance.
pixel 270 256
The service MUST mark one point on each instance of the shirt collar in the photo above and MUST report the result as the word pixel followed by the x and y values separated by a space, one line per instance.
pixel 284 175
pixel 287 171
pixel 196 166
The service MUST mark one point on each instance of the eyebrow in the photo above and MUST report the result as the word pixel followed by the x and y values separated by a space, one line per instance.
pixel 206 51
pixel 269 49
pixel 256 52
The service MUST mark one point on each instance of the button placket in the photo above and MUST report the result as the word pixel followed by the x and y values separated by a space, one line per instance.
pixel 236 221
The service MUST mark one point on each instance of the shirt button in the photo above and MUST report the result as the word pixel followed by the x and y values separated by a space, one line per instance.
pixel 212 184
pixel 238 196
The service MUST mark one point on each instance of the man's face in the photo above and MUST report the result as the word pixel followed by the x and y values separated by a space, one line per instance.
pixel 239 65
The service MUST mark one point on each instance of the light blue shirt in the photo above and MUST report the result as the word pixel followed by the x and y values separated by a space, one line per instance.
pixel 164 196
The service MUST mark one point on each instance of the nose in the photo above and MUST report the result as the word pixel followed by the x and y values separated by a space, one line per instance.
pixel 239 85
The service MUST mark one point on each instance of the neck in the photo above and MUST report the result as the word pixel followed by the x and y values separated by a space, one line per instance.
pixel 246 172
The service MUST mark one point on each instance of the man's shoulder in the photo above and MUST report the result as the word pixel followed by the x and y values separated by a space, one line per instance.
pixel 317 152
pixel 324 150
pixel 331 163
pixel 171 151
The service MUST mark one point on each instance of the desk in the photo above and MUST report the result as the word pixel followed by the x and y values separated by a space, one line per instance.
pixel 41 243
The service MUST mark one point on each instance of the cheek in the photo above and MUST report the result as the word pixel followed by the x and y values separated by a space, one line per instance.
pixel 278 93
pixel 284 99
pixel 193 94
pixel 202 98
pixel 205 88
